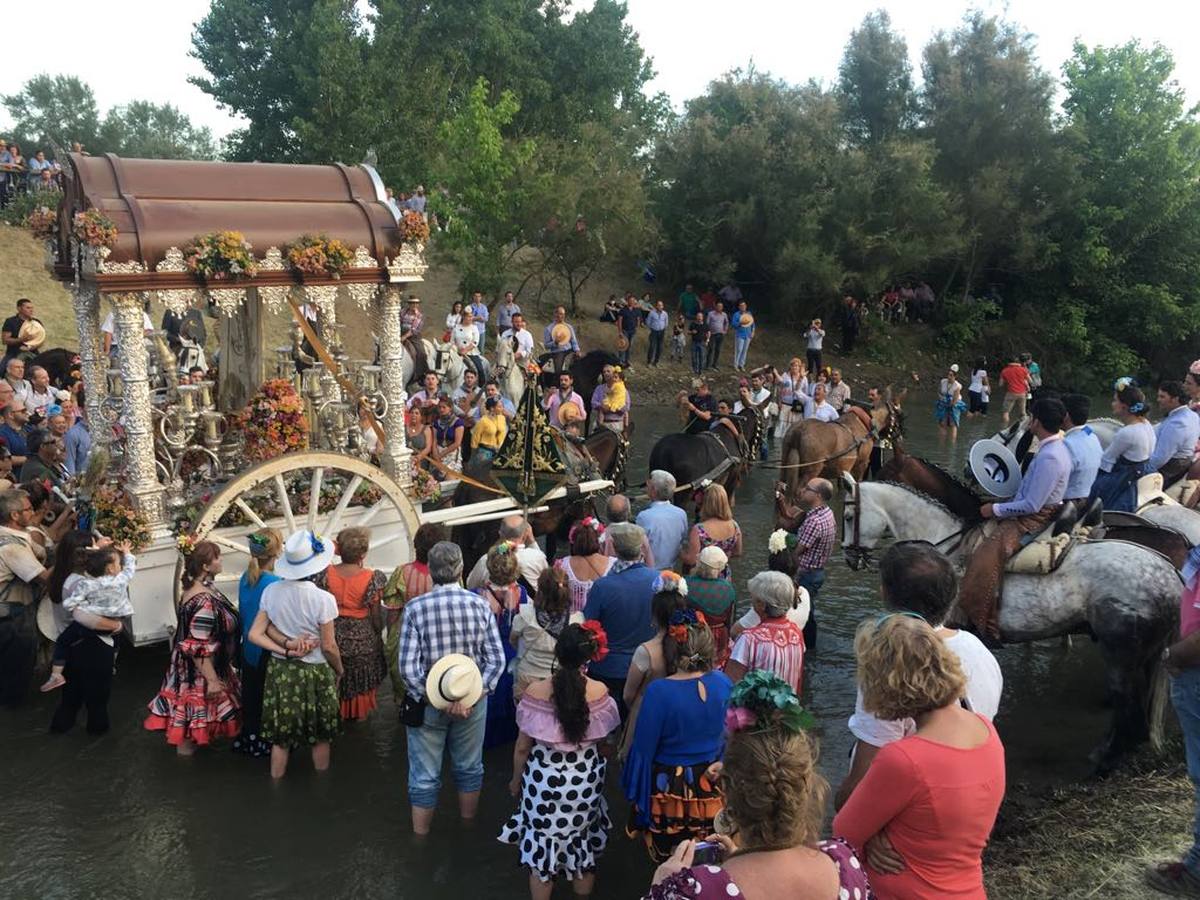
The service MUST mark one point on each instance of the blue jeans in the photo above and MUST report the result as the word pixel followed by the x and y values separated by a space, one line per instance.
pixel 426 749
pixel 1185 697
pixel 697 358
pixel 811 580
pixel 741 347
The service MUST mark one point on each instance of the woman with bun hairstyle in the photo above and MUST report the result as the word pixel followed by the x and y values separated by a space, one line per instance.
pixel 200 697
pixel 561 824
pixel 1125 460
pixel 774 806
pixel 679 735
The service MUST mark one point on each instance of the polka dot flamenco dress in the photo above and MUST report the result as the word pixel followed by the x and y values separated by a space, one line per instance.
pixel 561 824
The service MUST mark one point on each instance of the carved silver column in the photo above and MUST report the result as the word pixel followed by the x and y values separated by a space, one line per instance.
pixel 141 480
pixel 86 300
pixel 395 455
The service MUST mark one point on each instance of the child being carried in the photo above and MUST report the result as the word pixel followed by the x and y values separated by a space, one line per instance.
pixel 97 601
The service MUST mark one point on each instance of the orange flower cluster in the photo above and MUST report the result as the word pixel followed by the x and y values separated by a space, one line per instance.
pixel 316 254
pixel 413 228
pixel 273 422
pixel 115 518
pixel 95 229
pixel 220 255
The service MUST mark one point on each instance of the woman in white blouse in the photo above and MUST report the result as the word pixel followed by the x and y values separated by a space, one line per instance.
pixel 1124 462
pixel 793 387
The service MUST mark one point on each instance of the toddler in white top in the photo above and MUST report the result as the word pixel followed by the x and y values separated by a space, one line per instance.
pixel 102 593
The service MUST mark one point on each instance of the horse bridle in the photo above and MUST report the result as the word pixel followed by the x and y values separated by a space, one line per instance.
pixel 856 552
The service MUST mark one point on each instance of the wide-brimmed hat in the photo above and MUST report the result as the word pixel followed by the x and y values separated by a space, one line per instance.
pixel 746 320
pixel 413 300
pixel 713 557
pixel 32 333
pixel 995 468
pixel 304 554
pixel 622 342
pixel 560 333
pixel 453 679
pixel 569 412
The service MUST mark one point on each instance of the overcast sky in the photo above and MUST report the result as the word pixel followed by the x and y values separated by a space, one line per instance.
pixel 138 49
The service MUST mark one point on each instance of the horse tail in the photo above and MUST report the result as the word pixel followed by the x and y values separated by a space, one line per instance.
pixel 1158 691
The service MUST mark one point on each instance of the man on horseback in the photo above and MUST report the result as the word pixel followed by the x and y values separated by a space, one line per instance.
pixel 1175 444
pixel 701 407
pixel 1084 447
pixel 561 344
pixel 1033 508
pixel 554 400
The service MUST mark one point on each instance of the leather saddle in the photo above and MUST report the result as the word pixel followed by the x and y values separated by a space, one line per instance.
pixel 1044 552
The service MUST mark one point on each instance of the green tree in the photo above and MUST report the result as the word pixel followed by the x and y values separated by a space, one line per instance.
pixel 1128 286
pixel 56 109
pixel 150 131
pixel 875 82
pixel 484 202
pixel 585 207
pixel 987 107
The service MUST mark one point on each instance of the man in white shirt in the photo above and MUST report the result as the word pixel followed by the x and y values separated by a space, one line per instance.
pixel 816 407
pixel 531 561
pixel 41 395
pixel 1175 436
pixel 521 335
pixel 758 396
pixel 14 374
pixel 917 580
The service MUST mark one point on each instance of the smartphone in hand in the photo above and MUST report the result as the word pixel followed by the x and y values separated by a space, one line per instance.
pixel 707 853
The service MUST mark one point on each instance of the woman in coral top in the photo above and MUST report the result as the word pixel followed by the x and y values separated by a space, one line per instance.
pixel 922 815
pixel 359 625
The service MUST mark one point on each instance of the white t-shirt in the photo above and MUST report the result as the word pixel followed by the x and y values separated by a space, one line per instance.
pixel 977 381
pixel 110 327
pixel 815 336
pixel 531 562
pixel 299 607
pixel 524 342
pixel 985 683
pixel 1134 442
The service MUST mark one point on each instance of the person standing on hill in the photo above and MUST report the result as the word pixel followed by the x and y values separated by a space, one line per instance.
pixel 657 321
pixel 743 334
pixel 717 321
pixel 629 319
pixel 689 303
pixel 815 338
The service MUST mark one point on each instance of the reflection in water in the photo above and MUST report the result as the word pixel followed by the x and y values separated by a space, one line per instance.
pixel 121 816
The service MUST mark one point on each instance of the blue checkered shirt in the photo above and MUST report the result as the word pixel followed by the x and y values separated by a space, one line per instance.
pixel 448 619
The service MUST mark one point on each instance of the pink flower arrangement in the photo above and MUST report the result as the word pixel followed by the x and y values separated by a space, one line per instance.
pixel 738 718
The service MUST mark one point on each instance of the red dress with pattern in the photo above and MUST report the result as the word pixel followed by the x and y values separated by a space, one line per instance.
pixel 208 627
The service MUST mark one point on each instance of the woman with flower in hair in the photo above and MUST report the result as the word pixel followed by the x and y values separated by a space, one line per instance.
pixel 1191 384
pixel 1125 459
pixel 587 562
pixel 649 662
pixel 265 547
pixel 505 595
pixel 200 696
pixel 774 806
pixel 933 795
pixel 775 644
pixel 678 736
pixel 561 720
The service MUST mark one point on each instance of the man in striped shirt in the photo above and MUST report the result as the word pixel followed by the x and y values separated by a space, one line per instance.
pixel 447 619
pixel 814 543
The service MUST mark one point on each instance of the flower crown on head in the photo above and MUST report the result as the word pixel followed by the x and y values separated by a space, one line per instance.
pixel 503 548
pixel 258 544
pixel 586 522
pixel 683 619
pixel 669 581
pixel 1126 381
pixel 763 701
pixel 599 639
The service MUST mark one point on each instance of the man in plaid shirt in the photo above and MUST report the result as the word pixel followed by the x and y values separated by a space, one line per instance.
pixel 448 619
pixel 814 543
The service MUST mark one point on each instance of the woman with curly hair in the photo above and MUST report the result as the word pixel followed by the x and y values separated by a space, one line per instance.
pixel 505 595
pixel 359 624
pixel 774 805
pixel 933 795
pixel 679 733
pixel 562 718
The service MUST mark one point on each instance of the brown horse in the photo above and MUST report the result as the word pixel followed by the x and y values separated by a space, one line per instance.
pixel 827 449
pixel 961 500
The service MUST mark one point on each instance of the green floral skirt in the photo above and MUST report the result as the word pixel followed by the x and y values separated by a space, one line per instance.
pixel 300 704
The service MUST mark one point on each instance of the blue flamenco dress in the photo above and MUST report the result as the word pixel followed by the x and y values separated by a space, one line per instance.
pixel 501 727
pixel 680 732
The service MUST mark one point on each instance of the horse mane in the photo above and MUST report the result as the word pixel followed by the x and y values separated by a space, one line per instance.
pixel 951 483
pixel 921 495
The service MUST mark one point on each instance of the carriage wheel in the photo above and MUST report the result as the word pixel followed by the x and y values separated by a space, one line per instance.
pixel 272 494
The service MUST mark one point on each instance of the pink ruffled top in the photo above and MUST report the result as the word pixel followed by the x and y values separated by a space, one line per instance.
pixel 537 719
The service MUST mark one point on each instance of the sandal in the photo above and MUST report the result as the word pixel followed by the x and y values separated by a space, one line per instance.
pixel 1173 878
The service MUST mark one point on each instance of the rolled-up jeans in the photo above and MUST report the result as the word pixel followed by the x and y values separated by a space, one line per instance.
pixel 741 347
pixel 1185 697
pixel 426 749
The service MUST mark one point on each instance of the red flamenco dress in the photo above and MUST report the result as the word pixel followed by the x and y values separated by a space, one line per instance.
pixel 208 627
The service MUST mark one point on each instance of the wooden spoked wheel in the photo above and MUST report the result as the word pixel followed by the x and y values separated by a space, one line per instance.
pixel 276 494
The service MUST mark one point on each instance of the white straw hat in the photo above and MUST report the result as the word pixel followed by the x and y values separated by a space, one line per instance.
pixel 304 554
pixel 454 678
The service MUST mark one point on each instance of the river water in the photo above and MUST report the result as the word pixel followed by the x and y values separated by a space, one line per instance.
pixel 122 817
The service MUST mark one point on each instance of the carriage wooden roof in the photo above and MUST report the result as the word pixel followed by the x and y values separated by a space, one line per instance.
pixel 160 204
